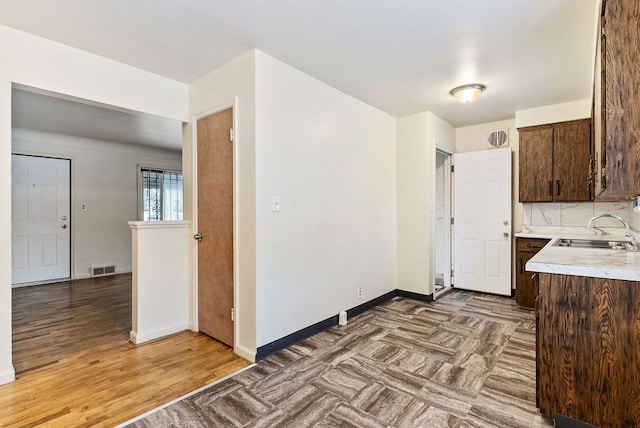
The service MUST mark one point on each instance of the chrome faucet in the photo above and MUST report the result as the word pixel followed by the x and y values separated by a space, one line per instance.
pixel 631 239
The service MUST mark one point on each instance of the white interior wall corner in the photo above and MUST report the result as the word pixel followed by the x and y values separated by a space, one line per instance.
pixel 234 81
pixel 34 61
pixel 331 159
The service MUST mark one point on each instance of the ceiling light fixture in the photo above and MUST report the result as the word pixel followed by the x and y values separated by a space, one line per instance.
pixel 467 93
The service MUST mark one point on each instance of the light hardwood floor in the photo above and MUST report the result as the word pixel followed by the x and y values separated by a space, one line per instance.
pixel 75 366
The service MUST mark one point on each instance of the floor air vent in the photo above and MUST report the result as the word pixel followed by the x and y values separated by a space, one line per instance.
pixel 103 270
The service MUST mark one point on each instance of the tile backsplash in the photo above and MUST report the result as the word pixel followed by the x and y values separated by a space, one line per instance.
pixel 578 214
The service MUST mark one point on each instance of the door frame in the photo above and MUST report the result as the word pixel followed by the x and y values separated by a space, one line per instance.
pixel 194 215
pixel 448 206
pixel 71 206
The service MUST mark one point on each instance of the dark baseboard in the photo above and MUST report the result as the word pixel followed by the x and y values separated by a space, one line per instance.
pixel 415 296
pixel 561 421
pixel 284 342
pixel 357 310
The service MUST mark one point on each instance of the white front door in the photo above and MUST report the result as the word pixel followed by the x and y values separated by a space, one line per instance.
pixel 40 213
pixel 482 221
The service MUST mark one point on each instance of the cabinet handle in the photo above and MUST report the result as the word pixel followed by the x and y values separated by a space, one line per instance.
pixel 533 276
pixel 550 187
pixel 557 187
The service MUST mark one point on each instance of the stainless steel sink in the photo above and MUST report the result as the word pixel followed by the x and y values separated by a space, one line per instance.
pixel 591 243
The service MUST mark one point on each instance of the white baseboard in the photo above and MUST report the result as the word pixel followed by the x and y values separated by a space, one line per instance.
pixel 245 353
pixel 7 376
pixel 138 337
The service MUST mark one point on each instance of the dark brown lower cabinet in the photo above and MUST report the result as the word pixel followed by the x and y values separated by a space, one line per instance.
pixel 527 282
pixel 588 349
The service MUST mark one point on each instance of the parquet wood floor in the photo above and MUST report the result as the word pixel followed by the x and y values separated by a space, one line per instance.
pixel 466 360
pixel 75 366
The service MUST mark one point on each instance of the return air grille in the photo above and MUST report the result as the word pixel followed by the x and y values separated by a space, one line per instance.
pixel 102 270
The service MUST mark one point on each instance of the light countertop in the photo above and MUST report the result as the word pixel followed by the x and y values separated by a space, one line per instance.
pixel 592 262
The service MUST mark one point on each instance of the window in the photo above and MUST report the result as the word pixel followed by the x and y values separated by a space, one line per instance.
pixel 161 195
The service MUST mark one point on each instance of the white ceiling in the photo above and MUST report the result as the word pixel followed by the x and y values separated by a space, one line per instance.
pixel 402 56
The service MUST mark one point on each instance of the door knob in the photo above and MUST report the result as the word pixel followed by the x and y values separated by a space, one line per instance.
pixel 505 234
pixel 64 226
pixel 506 222
pixel 63 218
pixel 198 236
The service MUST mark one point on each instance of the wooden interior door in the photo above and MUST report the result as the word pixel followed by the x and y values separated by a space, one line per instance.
pixel 215 225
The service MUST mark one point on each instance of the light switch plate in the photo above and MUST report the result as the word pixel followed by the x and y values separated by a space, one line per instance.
pixel 275 204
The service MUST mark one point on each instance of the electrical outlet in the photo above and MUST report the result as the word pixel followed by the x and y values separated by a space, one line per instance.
pixel 359 293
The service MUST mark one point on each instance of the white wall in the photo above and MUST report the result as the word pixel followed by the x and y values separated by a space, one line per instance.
pixel 331 159
pixel 234 81
pixel 40 63
pixel 554 113
pixel 104 177
pixel 417 137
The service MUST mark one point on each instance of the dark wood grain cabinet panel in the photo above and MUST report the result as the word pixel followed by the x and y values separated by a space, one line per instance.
pixel 619 101
pixel 588 350
pixel 536 164
pixel 555 163
pixel 571 157
pixel 527 282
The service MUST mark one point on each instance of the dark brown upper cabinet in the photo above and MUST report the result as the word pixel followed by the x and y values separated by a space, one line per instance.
pixel 555 162
pixel 617 102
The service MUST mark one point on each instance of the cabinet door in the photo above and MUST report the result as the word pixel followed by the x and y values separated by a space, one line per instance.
pixel 536 164
pixel 571 155
pixel 527 282
pixel 588 340
pixel 621 109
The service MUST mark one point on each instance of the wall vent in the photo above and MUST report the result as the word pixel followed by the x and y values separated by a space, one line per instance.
pixel 102 270
pixel 498 138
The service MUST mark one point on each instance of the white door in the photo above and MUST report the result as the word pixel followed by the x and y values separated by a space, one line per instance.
pixel 40 209
pixel 482 221
pixel 443 218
